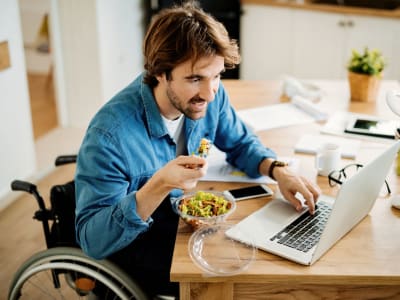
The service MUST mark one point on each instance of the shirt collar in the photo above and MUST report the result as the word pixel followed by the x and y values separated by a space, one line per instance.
pixel 153 116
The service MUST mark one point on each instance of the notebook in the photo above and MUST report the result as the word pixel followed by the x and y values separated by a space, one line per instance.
pixel 265 228
pixel 309 143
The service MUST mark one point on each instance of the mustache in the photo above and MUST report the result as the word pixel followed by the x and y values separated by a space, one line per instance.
pixel 197 100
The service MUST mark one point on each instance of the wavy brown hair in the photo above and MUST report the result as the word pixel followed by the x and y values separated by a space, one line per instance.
pixel 184 33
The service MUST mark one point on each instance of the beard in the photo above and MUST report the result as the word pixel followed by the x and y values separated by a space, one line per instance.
pixel 193 109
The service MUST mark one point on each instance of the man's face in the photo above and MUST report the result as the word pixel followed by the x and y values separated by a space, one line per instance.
pixel 190 88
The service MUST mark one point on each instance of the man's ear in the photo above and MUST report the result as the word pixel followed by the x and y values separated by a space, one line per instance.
pixel 162 78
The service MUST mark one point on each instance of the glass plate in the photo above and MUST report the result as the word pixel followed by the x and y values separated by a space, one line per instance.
pixel 215 253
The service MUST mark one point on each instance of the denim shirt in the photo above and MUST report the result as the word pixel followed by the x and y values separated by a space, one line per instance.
pixel 126 143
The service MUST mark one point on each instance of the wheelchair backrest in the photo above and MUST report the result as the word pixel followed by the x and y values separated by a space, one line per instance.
pixel 62 198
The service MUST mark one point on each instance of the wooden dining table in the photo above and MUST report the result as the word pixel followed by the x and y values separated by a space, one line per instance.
pixel 364 264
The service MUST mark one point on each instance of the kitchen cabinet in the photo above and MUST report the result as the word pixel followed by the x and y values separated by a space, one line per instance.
pixel 318 45
pixel 312 44
pixel 265 44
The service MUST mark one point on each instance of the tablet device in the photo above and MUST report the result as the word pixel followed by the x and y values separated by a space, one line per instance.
pixel 373 127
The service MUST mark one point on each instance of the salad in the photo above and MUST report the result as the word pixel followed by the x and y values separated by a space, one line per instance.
pixel 204 147
pixel 204 204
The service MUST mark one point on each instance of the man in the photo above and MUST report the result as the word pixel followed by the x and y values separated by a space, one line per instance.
pixel 135 155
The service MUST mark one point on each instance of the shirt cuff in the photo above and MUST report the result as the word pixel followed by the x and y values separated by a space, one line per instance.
pixel 128 215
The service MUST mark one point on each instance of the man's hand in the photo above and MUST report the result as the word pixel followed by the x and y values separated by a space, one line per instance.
pixel 290 184
pixel 181 173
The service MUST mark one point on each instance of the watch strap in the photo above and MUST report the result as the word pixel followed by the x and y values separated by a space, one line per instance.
pixel 274 164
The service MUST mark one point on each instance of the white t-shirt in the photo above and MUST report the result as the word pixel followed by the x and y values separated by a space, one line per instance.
pixel 175 130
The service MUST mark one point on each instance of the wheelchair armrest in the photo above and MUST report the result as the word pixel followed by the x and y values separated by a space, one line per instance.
pixel 65 159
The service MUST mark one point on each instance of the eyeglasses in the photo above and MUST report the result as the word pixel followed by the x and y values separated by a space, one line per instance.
pixel 339 176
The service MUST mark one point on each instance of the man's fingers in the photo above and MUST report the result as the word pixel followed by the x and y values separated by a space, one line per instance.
pixel 313 188
pixel 311 193
pixel 191 162
pixel 194 167
pixel 293 200
pixel 303 191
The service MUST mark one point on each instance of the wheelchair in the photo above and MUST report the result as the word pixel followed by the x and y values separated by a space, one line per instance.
pixel 63 271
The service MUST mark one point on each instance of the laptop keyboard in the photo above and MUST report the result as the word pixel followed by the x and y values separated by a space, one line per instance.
pixel 304 232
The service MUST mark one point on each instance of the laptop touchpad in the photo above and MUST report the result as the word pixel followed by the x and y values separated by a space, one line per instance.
pixel 279 211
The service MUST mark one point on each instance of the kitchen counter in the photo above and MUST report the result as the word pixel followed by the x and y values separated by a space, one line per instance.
pixel 308 5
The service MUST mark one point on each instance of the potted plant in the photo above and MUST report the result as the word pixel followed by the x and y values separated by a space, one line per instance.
pixel 365 73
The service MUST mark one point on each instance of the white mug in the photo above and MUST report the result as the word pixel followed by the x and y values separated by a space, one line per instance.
pixel 328 158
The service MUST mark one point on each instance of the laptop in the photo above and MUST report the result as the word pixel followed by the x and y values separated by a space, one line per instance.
pixel 274 227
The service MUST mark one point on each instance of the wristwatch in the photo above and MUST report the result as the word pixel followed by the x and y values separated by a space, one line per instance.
pixel 275 163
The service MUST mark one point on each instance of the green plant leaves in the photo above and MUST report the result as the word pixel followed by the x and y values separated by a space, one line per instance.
pixel 371 62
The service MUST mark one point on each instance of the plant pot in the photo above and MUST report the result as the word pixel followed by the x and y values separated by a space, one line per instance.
pixel 363 88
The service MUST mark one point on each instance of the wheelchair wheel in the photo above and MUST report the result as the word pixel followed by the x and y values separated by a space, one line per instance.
pixel 67 273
